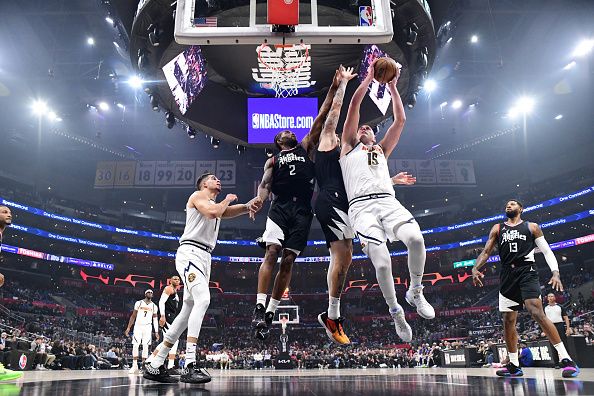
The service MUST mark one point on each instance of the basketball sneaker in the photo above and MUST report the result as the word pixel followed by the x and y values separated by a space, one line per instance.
pixel 174 371
pixel 160 374
pixel 570 369
pixel 416 299
pixel 194 375
pixel 258 319
pixel 334 329
pixel 402 328
pixel 510 370
pixel 9 375
pixel 262 333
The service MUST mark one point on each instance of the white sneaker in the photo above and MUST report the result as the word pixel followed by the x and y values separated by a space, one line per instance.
pixel 402 328
pixel 133 370
pixel 416 299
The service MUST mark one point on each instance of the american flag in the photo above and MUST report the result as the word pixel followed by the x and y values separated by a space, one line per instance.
pixel 205 22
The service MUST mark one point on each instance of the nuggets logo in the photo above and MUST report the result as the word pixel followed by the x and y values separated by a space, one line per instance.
pixel 23 362
pixel 191 277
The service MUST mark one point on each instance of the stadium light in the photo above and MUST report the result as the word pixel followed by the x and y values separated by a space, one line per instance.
pixel 430 85
pixel 584 48
pixel 90 41
pixel 570 65
pixel 39 107
pixel 524 106
pixel 109 20
pixel 474 39
pixel 559 116
pixel 456 104
pixel 135 82
pixel 443 104
pixel 103 106
pixel 52 116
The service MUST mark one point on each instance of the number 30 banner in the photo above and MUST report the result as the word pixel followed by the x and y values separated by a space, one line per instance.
pixel 126 174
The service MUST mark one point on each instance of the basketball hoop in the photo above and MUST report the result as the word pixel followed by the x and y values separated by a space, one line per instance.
pixel 285 67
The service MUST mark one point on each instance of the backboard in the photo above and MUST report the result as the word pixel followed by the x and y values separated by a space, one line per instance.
pixel 291 310
pixel 228 22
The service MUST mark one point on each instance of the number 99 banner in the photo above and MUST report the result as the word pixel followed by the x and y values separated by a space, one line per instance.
pixel 126 174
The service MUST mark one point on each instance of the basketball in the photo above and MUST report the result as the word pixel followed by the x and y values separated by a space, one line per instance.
pixel 385 70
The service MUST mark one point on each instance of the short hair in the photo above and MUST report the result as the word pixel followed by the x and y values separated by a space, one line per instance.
pixel 552 294
pixel 277 136
pixel 4 206
pixel 516 201
pixel 201 179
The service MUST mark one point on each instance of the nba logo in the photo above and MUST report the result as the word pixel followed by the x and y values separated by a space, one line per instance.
pixel 23 361
pixel 365 16
pixel 255 120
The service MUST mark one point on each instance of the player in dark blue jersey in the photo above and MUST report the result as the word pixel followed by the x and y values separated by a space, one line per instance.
pixel 516 240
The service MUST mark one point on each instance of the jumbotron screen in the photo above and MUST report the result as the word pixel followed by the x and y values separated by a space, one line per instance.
pixel 269 116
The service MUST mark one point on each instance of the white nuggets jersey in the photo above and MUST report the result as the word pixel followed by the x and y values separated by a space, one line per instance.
pixel 200 229
pixel 144 317
pixel 365 171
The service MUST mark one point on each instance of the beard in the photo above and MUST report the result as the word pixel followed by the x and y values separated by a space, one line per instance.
pixel 291 142
pixel 512 213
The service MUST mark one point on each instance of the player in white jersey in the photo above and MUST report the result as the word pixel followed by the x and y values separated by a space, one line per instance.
pixel 192 261
pixel 374 212
pixel 144 318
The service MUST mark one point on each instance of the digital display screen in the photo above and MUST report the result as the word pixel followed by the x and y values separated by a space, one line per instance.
pixel 186 76
pixel 269 116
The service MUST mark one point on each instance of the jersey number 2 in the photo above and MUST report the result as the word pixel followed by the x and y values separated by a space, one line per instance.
pixel 292 170
pixel 372 158
pixel 513 247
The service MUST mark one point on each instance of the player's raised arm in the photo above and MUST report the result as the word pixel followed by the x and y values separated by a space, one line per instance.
pixel 549 256
pixel 481 260
pixel 349 131
pixel 392 136
pixel 311 140
pixel 241 209
pixel 328 136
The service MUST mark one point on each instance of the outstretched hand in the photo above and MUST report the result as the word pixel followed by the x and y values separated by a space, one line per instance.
pixel 555 282
pixel 346 74
pixel 477 277
pixel 254 206
pixel 404 178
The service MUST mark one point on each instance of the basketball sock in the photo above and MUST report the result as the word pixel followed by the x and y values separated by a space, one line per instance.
pixel 410 234
pixel 158 360
pixel 261 299
pixel 190 353
pixel 170 363
pixel 272 305
pixel 513 357
pixel 560 347
pixel 380 258
pixel 135 363
pixel 333 307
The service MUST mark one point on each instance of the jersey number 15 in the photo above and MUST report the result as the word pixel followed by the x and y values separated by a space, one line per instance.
pixel 372 158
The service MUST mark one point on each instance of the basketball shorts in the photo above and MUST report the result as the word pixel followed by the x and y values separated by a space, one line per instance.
pixel 193 265
pixel 288 224
pixel 332 212
pixel 142 335
pixel 376 217
pixel 516 285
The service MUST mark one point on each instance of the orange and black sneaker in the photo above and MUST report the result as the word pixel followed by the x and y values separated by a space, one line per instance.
pixel 334 329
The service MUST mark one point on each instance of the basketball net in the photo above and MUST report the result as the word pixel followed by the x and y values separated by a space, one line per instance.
pixel 284 63
pixel 284 320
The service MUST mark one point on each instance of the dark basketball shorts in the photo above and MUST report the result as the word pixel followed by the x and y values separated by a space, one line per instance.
pixel 517 285
pixel 332 212
pixel 288 224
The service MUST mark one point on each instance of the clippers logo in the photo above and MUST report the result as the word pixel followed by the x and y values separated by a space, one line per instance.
pixel 511 235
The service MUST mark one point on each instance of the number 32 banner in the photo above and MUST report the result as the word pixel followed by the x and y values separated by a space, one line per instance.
pixel 127 174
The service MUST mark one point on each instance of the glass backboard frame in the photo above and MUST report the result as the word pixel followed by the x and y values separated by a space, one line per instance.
pixel 381 32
